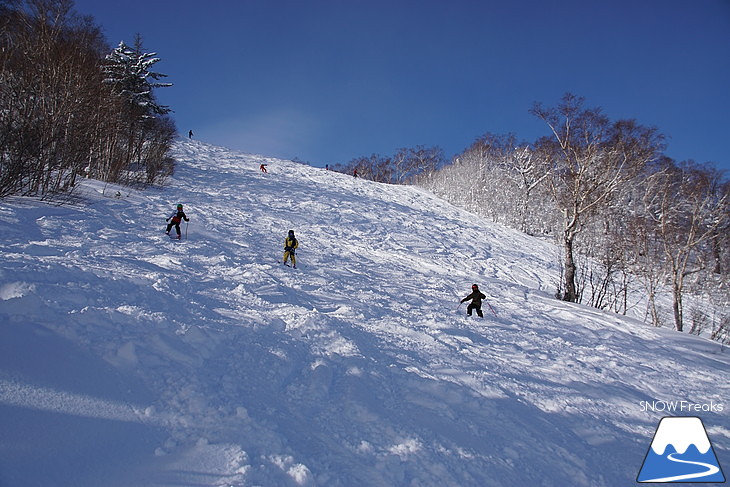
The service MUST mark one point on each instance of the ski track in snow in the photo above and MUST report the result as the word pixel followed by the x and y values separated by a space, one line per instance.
pixel 141 360
pixel 710 470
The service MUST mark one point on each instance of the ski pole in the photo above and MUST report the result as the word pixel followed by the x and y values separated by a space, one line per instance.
pixel 186 230
pixel 490 307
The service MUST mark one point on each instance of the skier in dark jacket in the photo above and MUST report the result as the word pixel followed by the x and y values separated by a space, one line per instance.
pixel 175 219
pixel 476 297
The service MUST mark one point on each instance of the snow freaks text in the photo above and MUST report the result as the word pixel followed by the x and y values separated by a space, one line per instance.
pixel 681 407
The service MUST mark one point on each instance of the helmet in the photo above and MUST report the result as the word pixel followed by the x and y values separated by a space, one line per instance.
pixel 474 286
pixel 291 232
pixel 179 205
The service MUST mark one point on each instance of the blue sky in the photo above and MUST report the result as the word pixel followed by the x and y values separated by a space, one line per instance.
pixel 328 81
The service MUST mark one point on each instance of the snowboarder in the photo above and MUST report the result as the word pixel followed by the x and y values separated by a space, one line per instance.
pixel 354 173
pixel 190 134
pixel 175 219
pixel 476 297
pixel 290 244
pixel 263 168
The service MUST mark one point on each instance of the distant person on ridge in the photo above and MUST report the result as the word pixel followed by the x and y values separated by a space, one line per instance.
pixel 175 219
pixel 190 134
pixel 263 168
pixel 290 245
pixel 476 297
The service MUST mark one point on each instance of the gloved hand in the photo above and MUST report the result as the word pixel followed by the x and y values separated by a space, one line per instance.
pixel 167 219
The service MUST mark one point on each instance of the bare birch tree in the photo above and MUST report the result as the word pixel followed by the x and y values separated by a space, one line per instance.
pixel 687 206
pixel 590 159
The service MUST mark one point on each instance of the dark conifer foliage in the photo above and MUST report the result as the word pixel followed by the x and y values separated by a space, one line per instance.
pixel 63 114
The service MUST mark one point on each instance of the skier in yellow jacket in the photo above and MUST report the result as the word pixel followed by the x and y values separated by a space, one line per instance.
pixel 290 244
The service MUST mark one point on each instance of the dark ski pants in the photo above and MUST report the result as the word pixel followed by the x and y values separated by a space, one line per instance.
pixel 177 227
pixel 476 307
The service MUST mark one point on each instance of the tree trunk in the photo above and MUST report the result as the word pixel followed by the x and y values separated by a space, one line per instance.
pixel 651 305
pixel 570 293
pixel 677 306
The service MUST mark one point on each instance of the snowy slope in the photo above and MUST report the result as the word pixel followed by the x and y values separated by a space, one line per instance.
pixel 129 359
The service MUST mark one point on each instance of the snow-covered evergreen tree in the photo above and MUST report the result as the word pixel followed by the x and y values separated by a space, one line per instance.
pixel 129 71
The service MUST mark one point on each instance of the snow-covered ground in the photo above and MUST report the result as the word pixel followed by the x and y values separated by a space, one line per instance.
pixel 130 359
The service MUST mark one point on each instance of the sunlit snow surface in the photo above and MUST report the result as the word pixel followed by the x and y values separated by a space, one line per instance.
pixel 130 359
